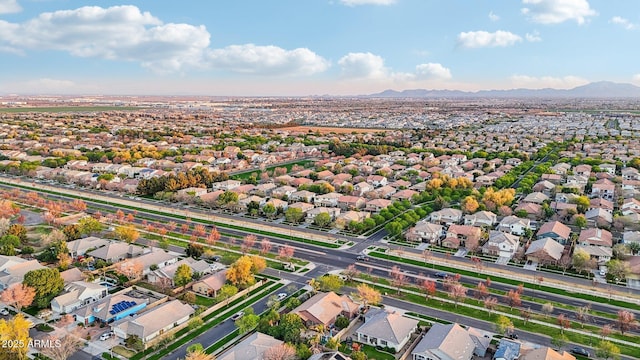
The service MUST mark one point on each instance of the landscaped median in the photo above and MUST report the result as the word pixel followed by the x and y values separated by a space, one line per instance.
pixel 212 319
pixel 499 279
pixel 538 324
pixel 195 217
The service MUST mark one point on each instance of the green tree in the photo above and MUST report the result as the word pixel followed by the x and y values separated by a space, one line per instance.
pixel 580 221
pixel 293 215
pixel 289 328
pixel 323 219
pixel 19 231
pixel 607 350
pixel 248 321
pixel 269 210
pixel 342 322
pixel 503 324
pixel 330 283
pixel 183 275
pixel 580 260
pixel 89 225
pixel 47 283
pixel 227 291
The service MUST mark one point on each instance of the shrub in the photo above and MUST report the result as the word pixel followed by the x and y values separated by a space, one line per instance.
pixel 342 322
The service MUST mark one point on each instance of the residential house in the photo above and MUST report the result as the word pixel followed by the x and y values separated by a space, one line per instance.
pixel 406 194
pixel 600 203
pixel 334 355
pixel 210 284
pixel 71 275
pixel 547 353
pixel 332 211
pixel 303 196
pixel 327 200
pixel 362 188
pixel 601 254
pixel 545 187
pixel 630 173
pixel 348 202
pixel 264 189
pixel 116 251
pixel 251 347
pixel 630 206
pixel 303 206
pixel 545 251
pixel 165 275
pixel 481 218
pixel 532 210
pixel 446 216
pixel 630 236
pixel 154 322
pixel 599 217
pixel 13 269
pixel 444 342
pixel 386 329
pixel 324 308
pixel 386 192
pixel 109 309
pixel 595 237
pixel 501 244
pixel 582 170
pixel 603 188
pixel 157 257
pixel 192 191
pixel 507 350
pixel 343 219
pixel 425 231
pixel 555 230
pixel 76 295
pixel 81 246
pixel 376 205
pixel 466 236
pixel 283 191
pixel 535 198
pixel 226 185
pixel 514 225
pixel 277 203
pixel 377 180
pixel 608 168
pixel 633 276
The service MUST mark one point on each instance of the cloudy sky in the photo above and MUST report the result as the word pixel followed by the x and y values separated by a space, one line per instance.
pixel 313 47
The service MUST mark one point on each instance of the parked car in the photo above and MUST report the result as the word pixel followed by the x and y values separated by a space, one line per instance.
pixel 281 296
pixel 4 312
pixel 237 315
pixel 216 258
pixel 362 258
pixel 106 335
pixel 577 350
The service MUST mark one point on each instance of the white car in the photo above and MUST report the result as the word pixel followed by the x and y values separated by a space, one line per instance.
pixel 281 296
pixel 237 315
pixel 4 312
pixel 106 335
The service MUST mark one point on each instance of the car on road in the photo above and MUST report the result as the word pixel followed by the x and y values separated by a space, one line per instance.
pixel 281 296
pixel 4 312
pixel 237 315
pixel 513 336
pixel 441 275
pixel 577 350
pixel 106 335
pixel 362 258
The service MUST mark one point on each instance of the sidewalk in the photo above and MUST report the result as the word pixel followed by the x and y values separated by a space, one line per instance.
pixel 512 273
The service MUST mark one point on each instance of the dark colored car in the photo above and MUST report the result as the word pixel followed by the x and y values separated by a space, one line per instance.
pixel 580 351
pixel 441 275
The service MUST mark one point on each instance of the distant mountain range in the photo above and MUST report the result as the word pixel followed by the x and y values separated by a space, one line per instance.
pixel 601 89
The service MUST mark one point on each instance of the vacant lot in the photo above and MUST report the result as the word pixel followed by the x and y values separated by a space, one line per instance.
pixel 337 130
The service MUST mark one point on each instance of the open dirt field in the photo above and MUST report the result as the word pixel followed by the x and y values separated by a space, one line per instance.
pixel 328 130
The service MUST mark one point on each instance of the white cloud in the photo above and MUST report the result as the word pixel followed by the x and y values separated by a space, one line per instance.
pixel 478 39
pixel 433 71
pixel 47 84
pixel 532 82
pixel 493 17
pixel 267 60
pixel 128 34
pixel 367 2
pixel 636 78
pixel 558 11
pixel 533 37
pixel 363 66
pixel 625 23
pixel 9 7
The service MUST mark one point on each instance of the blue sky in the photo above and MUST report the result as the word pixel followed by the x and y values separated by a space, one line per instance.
pixel 313 47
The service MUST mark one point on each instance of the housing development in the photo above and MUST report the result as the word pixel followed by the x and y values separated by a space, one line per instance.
pixel 328 228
